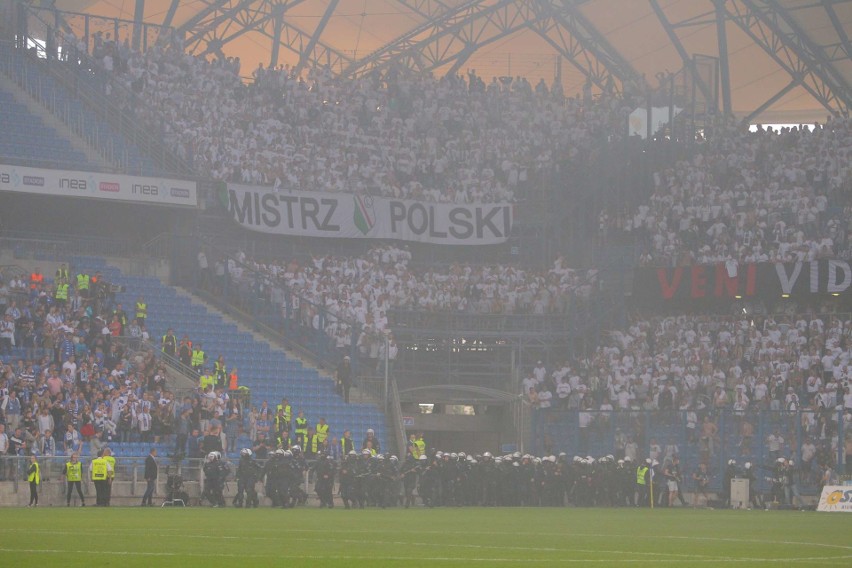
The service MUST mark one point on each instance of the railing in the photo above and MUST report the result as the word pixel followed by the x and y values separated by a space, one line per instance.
pixel 711 436
pixel 393 410
pixel 61 246
pixel 77 72
pixel 479 325
pixel 269 307
pixel 187 374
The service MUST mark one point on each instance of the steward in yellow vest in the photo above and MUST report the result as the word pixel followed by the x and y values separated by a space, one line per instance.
pixel 61 276
pixel 198 357
pixel 141 310
pixel 34 478
pixel 61 294
pixel 322 430
pixel 74 476
pixel 83 285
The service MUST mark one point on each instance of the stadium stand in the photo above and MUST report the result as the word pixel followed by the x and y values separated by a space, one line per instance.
pixel 33 143
pixel 452 140
pixel 760 196
pixel 269 374
pixel 676 384
pixel 66 97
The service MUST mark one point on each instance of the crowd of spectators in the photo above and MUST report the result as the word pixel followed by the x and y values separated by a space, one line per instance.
pixel 364 288
pixel 70 384
pixel 694 369
pixel 764 196
pixel 455 139
pixel 74 381
pixel 697 362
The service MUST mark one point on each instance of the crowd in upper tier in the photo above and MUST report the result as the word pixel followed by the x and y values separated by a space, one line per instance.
pixel 762 196
pixel 364 288
pixel 451 140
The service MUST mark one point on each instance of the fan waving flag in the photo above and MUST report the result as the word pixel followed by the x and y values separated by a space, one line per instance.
pixel 363 216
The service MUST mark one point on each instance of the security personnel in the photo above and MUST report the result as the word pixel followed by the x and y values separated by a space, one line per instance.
pixel 248 472
pixel 322 431
pixel 61 276
pixel 206 380
pixel 220 371
pixel 283 441
pixel 36 279
pixel 34 478
pixel 314 446
pixel 122 315
pixel 108 457
pixel 141 310
pixel 347 478
pixel 169 343
pixel 324 469
pixel 272 472
pixel 287 415
pixel 420 444
pixel 61 294
pixel 83 282
pixel 642 482
pixel 185 351
pixel 73 472
pixel 346 443
pixel 100 478
pixel 198 358
pixel 301 429
pixel 234 380
pixel 214 480
pixel 410 469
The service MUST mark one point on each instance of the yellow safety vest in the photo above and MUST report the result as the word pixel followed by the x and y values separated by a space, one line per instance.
pixel 197 357
pixel 286 411
pixel 301 425
pixel 640 475
pixel 169 341
pixel 315 442
pixel 82 282
pixel 220 368
pixel 111 461
pixel 61 292
pixel 421 447
pixel 73 471
pixel 62 275
pixel 99 469
pixel 322 432
pixel 35 476
pixel 141 309
pixel 206 380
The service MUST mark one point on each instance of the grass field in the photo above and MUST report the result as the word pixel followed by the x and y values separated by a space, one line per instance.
pixel 420 537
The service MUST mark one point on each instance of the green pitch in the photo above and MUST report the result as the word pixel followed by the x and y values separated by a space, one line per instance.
pixel 129 537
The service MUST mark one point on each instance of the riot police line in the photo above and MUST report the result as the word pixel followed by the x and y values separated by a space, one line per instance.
pixel 287 478
pixel 362 479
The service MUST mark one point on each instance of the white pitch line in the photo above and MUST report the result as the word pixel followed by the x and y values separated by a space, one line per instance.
pixel 659 556
pixel 406 558
pixel 717 539
pixel 564 535
pixel 371 542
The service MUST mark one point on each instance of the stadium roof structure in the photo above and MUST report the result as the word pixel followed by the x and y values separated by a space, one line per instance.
pixel 776 60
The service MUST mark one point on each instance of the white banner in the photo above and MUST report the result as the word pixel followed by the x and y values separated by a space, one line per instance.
pixel 836 498
pixel 62 183
pixel 348 216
